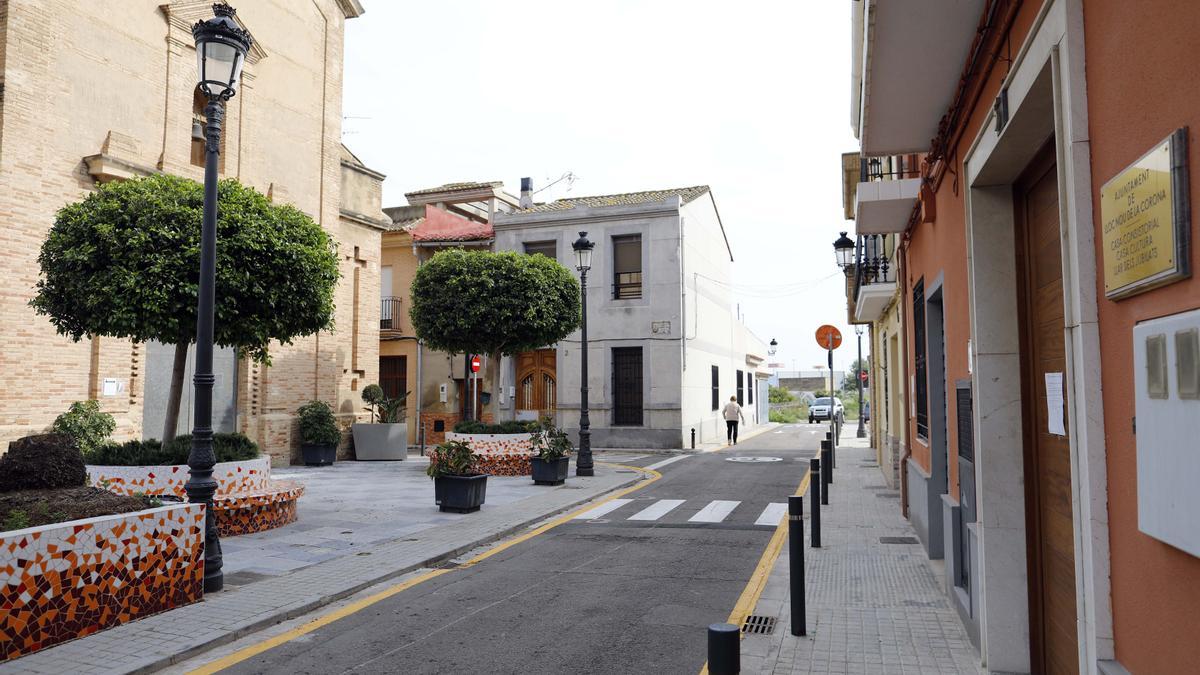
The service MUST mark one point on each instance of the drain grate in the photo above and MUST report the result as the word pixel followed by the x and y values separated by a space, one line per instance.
pixel 898 540
pixel 887 495
pixel 757 624
pixel 875 487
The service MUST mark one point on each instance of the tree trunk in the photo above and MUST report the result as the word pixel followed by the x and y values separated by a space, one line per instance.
pixel 176 394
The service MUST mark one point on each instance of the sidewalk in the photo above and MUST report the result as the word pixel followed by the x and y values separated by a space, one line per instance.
pixel 871 607
pixel 352 533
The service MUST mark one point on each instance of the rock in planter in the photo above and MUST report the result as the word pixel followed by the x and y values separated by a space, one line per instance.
pixel 552 472
pixel 42 461
pixel 460 494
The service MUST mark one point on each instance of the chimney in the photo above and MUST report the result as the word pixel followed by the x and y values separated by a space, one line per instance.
pixel 526 193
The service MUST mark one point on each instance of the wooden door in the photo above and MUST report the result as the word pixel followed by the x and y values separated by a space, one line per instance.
pixel 537 382
pixel 1050 525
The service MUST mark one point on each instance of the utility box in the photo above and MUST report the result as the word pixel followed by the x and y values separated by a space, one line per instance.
pixel 1166 361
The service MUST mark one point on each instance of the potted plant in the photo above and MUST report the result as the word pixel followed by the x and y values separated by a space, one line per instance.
pixel 385 437
pixel 457 484
pixel 319 433
pixel 551 463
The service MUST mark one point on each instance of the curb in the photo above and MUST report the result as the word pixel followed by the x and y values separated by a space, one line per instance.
pixel 238 631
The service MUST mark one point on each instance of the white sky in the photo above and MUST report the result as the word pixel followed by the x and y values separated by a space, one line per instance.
pixel 750 98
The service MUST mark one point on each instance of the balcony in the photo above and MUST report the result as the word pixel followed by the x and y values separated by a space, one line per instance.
pixel 886 194
pixel 389 317
pixel 874 276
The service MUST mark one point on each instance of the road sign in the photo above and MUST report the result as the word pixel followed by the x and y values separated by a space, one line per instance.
pixel 829 337
pixel 476 363
pixel 862 375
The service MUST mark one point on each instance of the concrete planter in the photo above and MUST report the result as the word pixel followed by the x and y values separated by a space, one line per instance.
pixel 381 442
pixel 460 494
pixel 67 580
pixel 552 472
pixel 246 475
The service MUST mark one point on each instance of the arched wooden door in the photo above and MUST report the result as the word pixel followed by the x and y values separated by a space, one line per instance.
pixel 537 383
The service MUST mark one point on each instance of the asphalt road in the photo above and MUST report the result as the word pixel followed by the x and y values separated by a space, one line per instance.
pixel 606 594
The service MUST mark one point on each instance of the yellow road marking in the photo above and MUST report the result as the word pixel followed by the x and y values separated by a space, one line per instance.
pixel 342 612
pixel 758 580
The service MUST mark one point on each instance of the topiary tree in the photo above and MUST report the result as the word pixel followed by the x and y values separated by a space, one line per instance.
pixel 125 262
pixel 493 303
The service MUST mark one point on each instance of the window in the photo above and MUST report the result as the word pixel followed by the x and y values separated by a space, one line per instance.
pixel 546 248
pixel 750 388
pixel 199 100
pixel 716 388
pixel 740 390
pixel 393 375
pixel 922 386
pixel 627 267
pixel 627 386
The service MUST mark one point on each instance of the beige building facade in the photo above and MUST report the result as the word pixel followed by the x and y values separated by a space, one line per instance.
pixel 105 90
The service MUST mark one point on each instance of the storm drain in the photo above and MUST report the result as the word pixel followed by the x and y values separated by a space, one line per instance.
pixel 898 540
pixel 757 624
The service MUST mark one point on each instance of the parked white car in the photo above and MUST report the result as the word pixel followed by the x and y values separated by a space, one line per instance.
pixel 819 409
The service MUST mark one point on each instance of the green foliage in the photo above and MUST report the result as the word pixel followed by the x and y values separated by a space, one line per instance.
pixel 318 424
pixel 779 395
pixel 151 452
pixel 84 422
pixel 384 409
pixel 785 415
pixel 551 443
pixel 466 302
pixel 452 458
pixel 509 427
pixel 16 519
pixel 125 262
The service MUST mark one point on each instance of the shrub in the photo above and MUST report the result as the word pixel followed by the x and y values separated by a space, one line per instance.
pixel 40 462
pixel 551 443
pixel 452 458
pixel 509 427
pixel 84 422
pixel 384 409
pixel 318 426
pixel 779 395
pixel 151 452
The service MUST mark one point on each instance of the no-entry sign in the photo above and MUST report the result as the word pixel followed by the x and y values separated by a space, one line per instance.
pixel 475 364
pixel 829 337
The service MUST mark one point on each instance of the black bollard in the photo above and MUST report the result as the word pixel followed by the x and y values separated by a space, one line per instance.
pixel 796 563
pixel 832 452
pixel 724 649
pixel 693 438
pixel 826 467
pixel 814 486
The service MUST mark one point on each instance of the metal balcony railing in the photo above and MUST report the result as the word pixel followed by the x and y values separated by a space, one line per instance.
pixel 389 313
pixel 873 260
pixel 893 167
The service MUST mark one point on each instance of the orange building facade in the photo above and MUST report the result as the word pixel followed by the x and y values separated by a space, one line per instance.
pixel 1044 262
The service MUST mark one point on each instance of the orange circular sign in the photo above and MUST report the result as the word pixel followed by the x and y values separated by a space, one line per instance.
pixel 829 337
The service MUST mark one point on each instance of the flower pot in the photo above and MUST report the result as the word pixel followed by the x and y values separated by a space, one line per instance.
pixel 460 494
pixel 318 454
pixel 376 442
pixel 552 472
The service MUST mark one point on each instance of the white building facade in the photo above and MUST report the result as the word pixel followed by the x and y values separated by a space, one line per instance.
pixel 665 350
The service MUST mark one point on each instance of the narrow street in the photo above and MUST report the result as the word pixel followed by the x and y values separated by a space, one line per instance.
pixel 627 587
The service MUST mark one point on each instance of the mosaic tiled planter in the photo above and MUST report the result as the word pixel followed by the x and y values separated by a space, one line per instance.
pixel 67 580
pixel 499 454
pixel 247 498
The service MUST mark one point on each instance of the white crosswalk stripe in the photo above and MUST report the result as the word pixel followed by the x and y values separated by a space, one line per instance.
pixel 657 510
pixel 606 508
pixel 714 512
pixel 772 514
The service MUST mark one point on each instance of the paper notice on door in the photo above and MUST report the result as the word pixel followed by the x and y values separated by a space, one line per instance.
pixel 1054 404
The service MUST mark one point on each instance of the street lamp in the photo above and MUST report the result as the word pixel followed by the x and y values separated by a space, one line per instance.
pixel 221 47
pixel 583 262
pixel 773 348
pixel 844 249
pixel 862 432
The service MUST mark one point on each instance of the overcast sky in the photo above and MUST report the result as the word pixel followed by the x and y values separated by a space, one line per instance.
pixel 750 98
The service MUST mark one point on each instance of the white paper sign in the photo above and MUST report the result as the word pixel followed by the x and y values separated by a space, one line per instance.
pixel 1054 404
pixel 112 387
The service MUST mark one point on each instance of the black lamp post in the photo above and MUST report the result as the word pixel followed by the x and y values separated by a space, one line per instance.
pixel 583 262
pixel 862 431
pixel 221 47
pixel 772 348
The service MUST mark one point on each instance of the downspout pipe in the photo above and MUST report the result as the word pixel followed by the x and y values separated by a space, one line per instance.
pixel 905 318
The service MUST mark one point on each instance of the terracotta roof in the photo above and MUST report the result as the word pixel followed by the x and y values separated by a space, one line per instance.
pixel 439 225
pixel 457 187
pixel 687 194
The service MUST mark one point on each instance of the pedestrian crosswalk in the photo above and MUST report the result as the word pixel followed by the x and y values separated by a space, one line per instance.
pixel 701 512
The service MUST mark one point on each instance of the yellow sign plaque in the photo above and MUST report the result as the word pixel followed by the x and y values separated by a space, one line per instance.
pixel 1144 218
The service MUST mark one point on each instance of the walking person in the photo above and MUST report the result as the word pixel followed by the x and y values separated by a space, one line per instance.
pixel 732 413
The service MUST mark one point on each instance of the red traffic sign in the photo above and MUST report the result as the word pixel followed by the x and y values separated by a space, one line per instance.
pixel 829 337
pixel 862 375
pixel 476 363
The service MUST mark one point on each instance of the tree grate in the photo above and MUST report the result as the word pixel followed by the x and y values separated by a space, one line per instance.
pixel 757 624
pixel 898 540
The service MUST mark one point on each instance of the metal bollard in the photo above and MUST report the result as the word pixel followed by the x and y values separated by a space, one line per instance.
pixel 814 486
pixel 693 438
pixel 832 453
pixel 796 563
pixel 724 649
pixel 826 473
